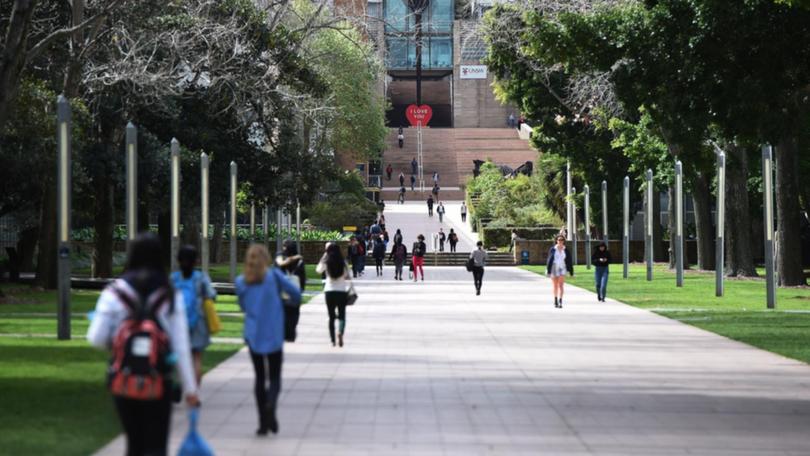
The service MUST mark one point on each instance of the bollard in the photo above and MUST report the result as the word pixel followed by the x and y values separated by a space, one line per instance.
pixel 175 202
pixel 678 224
pixel 205 244
pixel 626 227
pixel 64 176
pixel 767 184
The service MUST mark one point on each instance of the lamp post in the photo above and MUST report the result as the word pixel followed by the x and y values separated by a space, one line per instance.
pixel 204 239
pixel 233 223
pixel 721 224
pixel 767 184
pixel 175 202
pixel 626 226
pixel 649 228
pixel 298 225
pixel 266 224
pixel 252 221
pixel 678 224
pixel 604 213
pixel 587 227
pixel 568 203
pixel 418 7
pixel 132 181
pixel 63 150
pixel 573 233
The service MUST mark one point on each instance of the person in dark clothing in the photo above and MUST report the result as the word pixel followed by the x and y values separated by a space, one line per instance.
pixel 442 239
pixel 479 260
pixel 379 255
pixel 401 179
pixel 292 265
pixel 435 192
pixel 452 238
pixel 559 263
pixel 401 140
pixel 353 255
pixel 399 253
pixel 413 182
pixel 430 206
pixel 419 250
pixel 601 259
pixel 414 166
pixel 335 289
pixel 398 236
pixel 388 170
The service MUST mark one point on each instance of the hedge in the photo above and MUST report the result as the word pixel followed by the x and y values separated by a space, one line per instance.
pixel 501 237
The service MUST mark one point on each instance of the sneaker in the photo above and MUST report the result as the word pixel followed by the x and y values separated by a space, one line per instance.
pixel 340 340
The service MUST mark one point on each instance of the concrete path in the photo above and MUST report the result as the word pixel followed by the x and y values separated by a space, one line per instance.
pixel 432 369
pixel 412 218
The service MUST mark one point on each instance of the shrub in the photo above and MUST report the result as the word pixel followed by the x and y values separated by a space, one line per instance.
pixel 501 236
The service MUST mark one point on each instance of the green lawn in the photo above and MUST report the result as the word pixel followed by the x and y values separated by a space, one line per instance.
pixel 741 314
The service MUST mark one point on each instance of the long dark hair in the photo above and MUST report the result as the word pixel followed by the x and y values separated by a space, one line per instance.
pixel 335 264
pixel 145 269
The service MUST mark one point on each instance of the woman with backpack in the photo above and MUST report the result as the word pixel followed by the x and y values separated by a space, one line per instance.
pixel 292 264
pixel 399 253
pixel 418 258
pixel 559 263
pixel 336 288
pixel 259 292
pixel 452 238
pixel 378 252
pixel 143 302
pixel 196 288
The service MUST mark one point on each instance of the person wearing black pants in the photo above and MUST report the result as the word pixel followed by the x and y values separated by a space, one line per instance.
pixel 267 386
pixel 335 289
pixel 601 259
pixel 479 259
pixel 146 423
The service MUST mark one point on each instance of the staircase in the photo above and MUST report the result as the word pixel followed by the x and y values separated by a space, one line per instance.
pixel 456 259
pixel 451 152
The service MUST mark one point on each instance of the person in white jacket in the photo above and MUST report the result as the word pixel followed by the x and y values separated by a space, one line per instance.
pixel 146 422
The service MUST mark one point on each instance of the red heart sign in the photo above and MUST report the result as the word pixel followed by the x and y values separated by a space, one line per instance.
pixel 419 114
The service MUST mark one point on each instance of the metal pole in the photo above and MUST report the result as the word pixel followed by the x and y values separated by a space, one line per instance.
pixel 568 203
pixel 649 214
pixel 298 226
pixel 63 151
pixel 626 226
pixel 252 221
pixel 278 230
pixel 678 224
pixel 234 239
pixel 266 224
pixel 767 183
pixel 574 228
pixel 719 269
pixel 175 202
pixel 605 237
pixel 132 182
pixel 204 239
pixel 587 227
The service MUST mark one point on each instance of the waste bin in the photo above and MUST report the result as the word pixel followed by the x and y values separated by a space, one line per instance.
pixel 524 257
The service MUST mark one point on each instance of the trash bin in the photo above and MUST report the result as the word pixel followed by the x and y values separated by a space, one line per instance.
pixel 524 257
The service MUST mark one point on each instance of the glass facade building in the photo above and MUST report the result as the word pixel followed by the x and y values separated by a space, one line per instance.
pixel 437 35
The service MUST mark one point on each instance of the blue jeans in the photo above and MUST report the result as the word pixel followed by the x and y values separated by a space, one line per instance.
pixel 601 275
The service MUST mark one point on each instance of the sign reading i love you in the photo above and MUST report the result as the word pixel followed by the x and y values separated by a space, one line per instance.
pixel 418 114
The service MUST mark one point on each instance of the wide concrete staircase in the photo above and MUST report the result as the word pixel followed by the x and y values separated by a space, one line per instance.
pixel 451 152
pixel 457 259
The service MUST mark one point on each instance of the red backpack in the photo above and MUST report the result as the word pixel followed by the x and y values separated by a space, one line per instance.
pixel 140 348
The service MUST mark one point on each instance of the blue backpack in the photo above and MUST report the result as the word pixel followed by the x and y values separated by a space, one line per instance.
pixel 192 290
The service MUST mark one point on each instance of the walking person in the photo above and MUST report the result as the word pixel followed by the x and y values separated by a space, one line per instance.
pixel 511 120
pixel 413 182
pixel 378 252
pixel 402 195
pixel 381 222
pixel 399 253
pixel 414 166
pixel 435 192
pixel 512 240
pixel 352 253
pixel 196 288
pixel 418 257
pixel 442 237
pixel 292 264
pixel 401 179
pixel 389 170
pixel 463 212
pixel 336 289
pixel 601 259
pixel 440 211
pixel 259 292
pixel 559 263
pixel 430 206
pixel 401 139
pixel 478 259
pixel 398 236
pixel 117 324
pixel 452 238
pixel 435 178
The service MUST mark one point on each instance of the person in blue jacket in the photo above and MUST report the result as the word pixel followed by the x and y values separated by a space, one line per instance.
pixel 259 293
pixel 559 263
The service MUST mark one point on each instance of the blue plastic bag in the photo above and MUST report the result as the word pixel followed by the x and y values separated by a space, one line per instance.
pixel 194 444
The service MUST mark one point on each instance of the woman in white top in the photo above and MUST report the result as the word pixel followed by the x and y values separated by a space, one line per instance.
pixel 336 289
pixel 145 413
pixel 559 262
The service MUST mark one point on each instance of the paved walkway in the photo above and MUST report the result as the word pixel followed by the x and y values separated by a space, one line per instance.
pixel 412 218
pixel 432 369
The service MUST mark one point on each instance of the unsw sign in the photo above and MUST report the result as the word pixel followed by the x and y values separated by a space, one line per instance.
pixel 473 71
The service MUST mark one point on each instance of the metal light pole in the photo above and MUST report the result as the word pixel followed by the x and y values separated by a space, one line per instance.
pixel 132 182
pixel 418 7
pixel 204 239
pixel 649 228
pixel 568 203
pixel 279 222
pixel 573 233
pixel 721 225
pixel 587 227
pixel 604 213
pixel 266 224
pixel 626 226
pixel 298 226
pixel 767 184
pixel 252 221
pixel 175 202
pixel 678 224
pixel 63 151
pixel 233 223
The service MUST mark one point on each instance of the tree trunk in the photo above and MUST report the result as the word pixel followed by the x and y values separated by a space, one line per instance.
pixel 738 237
pixel 143 216
pixel 26 245
pixel 104 224
pixel 46 258
pixel 788 219
pixel 658 231
pixel 191 228
pixel 671 224
pixel 701 199
pixel 13 54
pixel 216 241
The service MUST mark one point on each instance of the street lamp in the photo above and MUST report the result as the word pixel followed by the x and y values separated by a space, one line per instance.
pixel 418 7
pixel 63 146
pixel 175 202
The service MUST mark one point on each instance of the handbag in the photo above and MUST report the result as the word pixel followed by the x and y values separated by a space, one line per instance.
pixel 351 295
pixel 211 316
pixel 194 444
pixel 292 312
pixel 470 264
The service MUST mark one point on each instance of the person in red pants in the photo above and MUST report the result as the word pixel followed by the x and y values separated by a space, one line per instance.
pixel 419 249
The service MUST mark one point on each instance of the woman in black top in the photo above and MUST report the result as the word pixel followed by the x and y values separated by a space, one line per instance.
pixel 419 249
pixel 601 259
